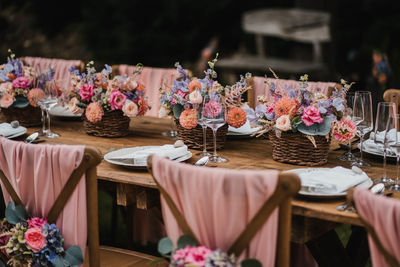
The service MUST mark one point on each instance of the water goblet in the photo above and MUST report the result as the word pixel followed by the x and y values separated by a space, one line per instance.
pixel 203 125
pixel 395 146
pixel 50 100
pixel 348 156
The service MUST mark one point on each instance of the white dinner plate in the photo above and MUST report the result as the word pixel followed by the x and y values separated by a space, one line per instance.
pixel 61 111
pixel 366 184
pixel 124 151
pixel 22 132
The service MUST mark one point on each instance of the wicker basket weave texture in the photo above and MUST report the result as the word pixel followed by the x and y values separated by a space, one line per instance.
pixel 113 124
pixel 193 138
pixel 28 117
pixel 296 148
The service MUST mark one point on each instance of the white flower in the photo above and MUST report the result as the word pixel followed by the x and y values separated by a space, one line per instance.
pixel 163 112
pixel 195 97
pixel 130 109
pixel 283 123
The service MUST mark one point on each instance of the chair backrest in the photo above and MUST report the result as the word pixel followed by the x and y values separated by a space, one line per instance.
pixel 260 86
pixel 152 79
pixel 381 218
pixel 392 95
pixel 228 209
pixel 13 163
pixel 60 66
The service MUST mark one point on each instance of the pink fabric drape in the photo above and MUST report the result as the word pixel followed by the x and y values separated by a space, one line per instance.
pixel 152 79
pixel 38 174
pixel 218 204
pixel 383 214
pixel 60 66
pixel 261 88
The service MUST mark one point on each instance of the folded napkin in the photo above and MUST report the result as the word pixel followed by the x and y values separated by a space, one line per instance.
pixel 140 157
pixel 334 180
pixel 245 129
pixel 369 145
pixel 7 130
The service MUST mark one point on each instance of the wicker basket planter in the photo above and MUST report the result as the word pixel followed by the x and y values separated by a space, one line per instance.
pixel 113 124
pixel 296 148
pixel 193 138
pixel 28 117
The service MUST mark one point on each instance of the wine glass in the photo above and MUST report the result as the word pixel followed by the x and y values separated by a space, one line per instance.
pixel 50 100
pixel 395 145
pixel 201 122
pixel 348 156
pixel 363 118
pixel 383 124
pixel 172 132
pixel 214 118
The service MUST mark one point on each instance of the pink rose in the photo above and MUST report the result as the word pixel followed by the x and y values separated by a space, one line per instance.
pixel 181 93
pixel 86 92
pixel 130 84
pixel 311 115
pixel 192 255
pixel 21 82
pixel 36 222
pixel 195 97
pixel 283 123
pixel 212 109
pixel 35 239
pixel 269 109
pixel 130 109
pixel 117 100
pixel 6 101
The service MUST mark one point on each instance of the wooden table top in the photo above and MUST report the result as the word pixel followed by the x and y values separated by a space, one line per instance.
pixel 252 153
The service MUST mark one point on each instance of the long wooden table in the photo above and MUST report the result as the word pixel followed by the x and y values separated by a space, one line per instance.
pixel 313 218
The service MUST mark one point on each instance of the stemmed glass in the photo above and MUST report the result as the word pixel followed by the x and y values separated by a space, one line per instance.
pixel 50 100
pixel 363 118
pixel 214 118
pixel 348 156
pixel 171 133
pixel 202 123
pixel 396 148
pixel 384 115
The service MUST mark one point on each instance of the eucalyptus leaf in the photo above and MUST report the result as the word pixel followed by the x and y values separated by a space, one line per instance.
pixel 20 102
pixel 177 110
pixel 165 246
pixel 73 255
pixel 186 240
pixel 317 128
pixel 250 263
pixel 59 262
pixel 15 214
pixel 295 123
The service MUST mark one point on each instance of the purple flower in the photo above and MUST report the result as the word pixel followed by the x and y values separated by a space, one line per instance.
pixel 338 104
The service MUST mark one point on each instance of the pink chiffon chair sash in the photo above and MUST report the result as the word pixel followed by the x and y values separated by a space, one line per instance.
pixel 261 88
pixel 60 66
pixel 152 79
pixel 218 204
pixel 383 215
pixel 38 173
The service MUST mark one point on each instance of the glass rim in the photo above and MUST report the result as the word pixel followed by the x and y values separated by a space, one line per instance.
pixel 362 92
pixel 386 103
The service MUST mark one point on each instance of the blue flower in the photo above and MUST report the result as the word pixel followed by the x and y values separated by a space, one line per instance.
pixel 338 104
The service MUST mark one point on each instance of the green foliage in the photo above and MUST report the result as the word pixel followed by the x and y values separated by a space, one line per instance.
pixel 15 214
pixel 165 246
pixel 186 240
pixel 73 257
pixel 177 110
pixel 20 102
pixel 317 128
pixel 250 263
pixel 2 264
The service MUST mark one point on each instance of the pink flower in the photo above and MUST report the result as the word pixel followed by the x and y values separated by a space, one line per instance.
pixel 195 97
pixel 36 222
pixel 117 100
pixel 86 92
pixel 35 239
pixel 34 96
pixel 6 100
pixel 21 82
pixel 130 84
pixel 344 130
pixel 283 123
pixel 94 112
pixel 191 255
pixel 130 109
pixel 311 115
pixel 6 87
pixel 212 109
pixel 269 109
pixel 193 85
pixel 181 93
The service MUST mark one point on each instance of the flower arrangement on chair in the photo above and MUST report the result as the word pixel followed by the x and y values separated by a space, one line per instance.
pixel 299 121
pixel 184 101
pixel 34 242
pixel 108 101
pixel 20 90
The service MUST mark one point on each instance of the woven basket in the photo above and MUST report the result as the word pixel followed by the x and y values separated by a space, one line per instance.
pixel 113 124
pixel 193 138
pixel 296 148
pixel 28 116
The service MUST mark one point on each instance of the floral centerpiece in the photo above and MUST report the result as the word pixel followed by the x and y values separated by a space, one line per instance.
pixel 299 121
pixel 189 253
pixel 34 241
pixel 184 101
pixel 108 102
pixel 20 90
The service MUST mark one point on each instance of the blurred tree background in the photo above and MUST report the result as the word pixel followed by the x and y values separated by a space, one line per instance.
pixel 159 32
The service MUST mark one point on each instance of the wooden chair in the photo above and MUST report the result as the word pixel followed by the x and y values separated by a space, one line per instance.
pixel 288 185
pixel 389 258
pixel 392 95
pixel 97 255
